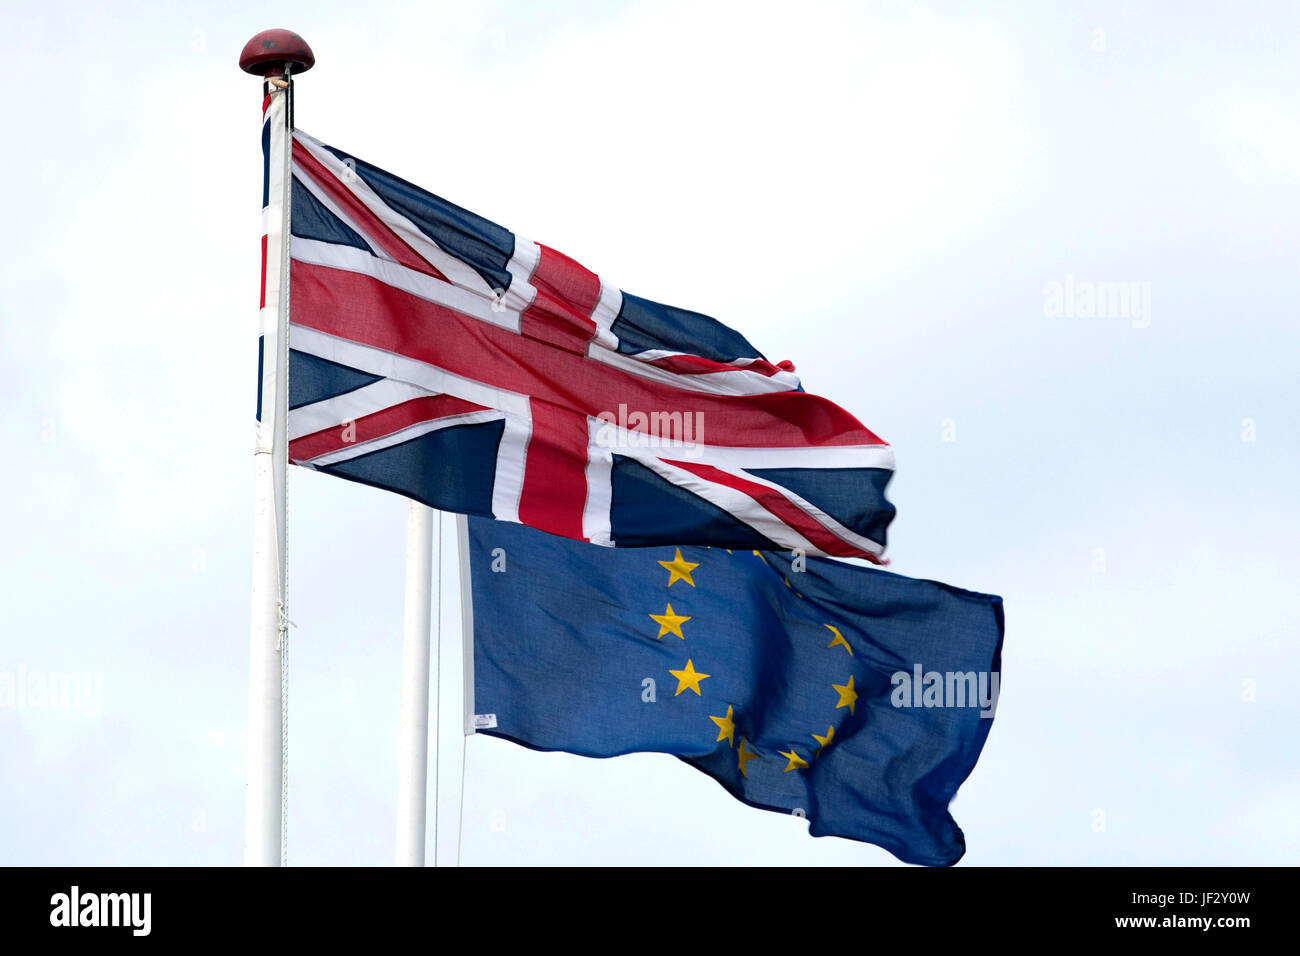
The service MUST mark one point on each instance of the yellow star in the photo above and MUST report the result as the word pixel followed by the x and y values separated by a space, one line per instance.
pixel 796 762
pixel 679 570
pixel 669 623
pixel 839 639
pixel 824 741
pixel 745 757
pixel 726 727
pixel 848 696
pixel 689 677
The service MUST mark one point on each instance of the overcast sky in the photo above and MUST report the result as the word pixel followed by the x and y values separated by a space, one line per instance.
pixel 894 196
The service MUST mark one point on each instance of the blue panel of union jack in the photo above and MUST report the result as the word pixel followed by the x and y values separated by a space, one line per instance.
pixel 855 697
pixel 439 355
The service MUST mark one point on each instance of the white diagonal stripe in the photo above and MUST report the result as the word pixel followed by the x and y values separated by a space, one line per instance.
pixel 348 407
pixel 403 435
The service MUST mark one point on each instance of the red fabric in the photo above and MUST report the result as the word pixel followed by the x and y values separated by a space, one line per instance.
pixel 566 295
pixel 364 310
pixel 368 427
pixel 555 479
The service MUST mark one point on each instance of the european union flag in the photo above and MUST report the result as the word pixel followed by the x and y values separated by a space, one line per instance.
pixel 858 698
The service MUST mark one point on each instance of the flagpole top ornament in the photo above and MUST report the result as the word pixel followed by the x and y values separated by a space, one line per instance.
pixel 269 52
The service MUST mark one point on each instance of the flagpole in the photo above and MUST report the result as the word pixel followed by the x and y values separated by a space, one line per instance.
pixel 413 724
pixel 469 722
pixel 276 56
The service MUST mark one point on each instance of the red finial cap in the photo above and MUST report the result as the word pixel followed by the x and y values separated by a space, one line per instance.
pixel 271 50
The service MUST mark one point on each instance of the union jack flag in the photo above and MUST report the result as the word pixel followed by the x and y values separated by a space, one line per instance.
pixel 441 356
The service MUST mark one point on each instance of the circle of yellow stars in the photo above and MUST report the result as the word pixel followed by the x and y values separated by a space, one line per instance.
pixel 688 678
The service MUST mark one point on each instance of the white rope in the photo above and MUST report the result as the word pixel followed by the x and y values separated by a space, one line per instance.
pixel 284 724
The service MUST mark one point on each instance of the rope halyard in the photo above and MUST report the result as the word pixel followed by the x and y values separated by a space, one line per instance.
pixel 282 645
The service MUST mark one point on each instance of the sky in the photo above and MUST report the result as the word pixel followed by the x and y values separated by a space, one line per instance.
pixel 912 201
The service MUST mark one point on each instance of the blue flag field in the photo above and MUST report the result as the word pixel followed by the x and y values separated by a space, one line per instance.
pixel 855 697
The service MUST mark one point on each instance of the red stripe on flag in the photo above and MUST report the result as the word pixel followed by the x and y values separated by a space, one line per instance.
pixel 377 425
pixel 780 506
pixel 362 309
pixel 555 477
pixel 374 227
pixel 567 293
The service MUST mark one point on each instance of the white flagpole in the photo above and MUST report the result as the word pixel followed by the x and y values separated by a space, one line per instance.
pixel 275 55
pixel 469 721
pixel 413 724
pixel 466 628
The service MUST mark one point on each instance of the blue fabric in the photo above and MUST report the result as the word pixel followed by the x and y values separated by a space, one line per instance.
pixel 266 163
pixel 855 497
pixel 449 469
pixel 565 649
pixel 642 324
pixel 261 359
pixel 479 242
pixel 314 379
pixel 647 510
pixel 313 220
